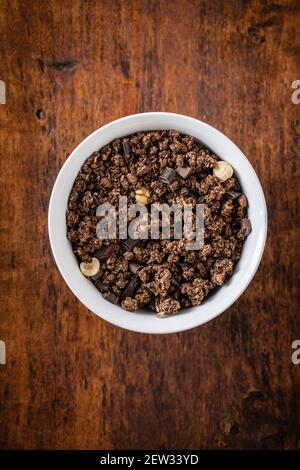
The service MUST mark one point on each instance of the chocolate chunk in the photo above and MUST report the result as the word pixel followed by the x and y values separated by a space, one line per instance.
pixel 100 286
pixel 174 282
pixel 246 227
pixel 168 175
pixel 126 147
pixel 233 193
pixel 184 172
pixel 237 185
pixel 243 201
pixel 130 289
pixel 104 252
pixel 110 297
pixel 180 264
pixel 98 275
pixel 134 267
pixel 129 244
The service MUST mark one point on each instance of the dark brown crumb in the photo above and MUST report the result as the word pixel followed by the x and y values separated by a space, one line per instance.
pixel 160 275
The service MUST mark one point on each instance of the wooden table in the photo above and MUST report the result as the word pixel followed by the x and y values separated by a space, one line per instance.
pixel 71 380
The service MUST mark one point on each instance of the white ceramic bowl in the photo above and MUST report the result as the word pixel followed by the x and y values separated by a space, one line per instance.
pixel 143 321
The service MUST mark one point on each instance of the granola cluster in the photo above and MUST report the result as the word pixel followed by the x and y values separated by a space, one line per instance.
pixel 157 167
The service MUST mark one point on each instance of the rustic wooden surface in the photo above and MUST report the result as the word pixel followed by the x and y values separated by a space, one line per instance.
pixel 71 379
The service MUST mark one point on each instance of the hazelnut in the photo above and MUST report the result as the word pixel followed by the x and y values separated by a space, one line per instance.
pixel 91 268
pixel 142 195
pixel 140 199
pixel 223 171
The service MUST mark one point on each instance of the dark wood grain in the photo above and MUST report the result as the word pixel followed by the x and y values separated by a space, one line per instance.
pixel 71 379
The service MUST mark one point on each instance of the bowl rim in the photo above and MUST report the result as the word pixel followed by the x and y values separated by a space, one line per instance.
pixel 124 324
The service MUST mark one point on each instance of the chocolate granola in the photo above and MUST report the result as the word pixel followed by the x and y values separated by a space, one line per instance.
pixel 158 167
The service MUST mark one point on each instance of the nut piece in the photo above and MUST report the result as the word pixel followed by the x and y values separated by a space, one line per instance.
pixel 145 191
pixel 90 269
pixel 223 171
pixel 140 199
pixel 142 195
